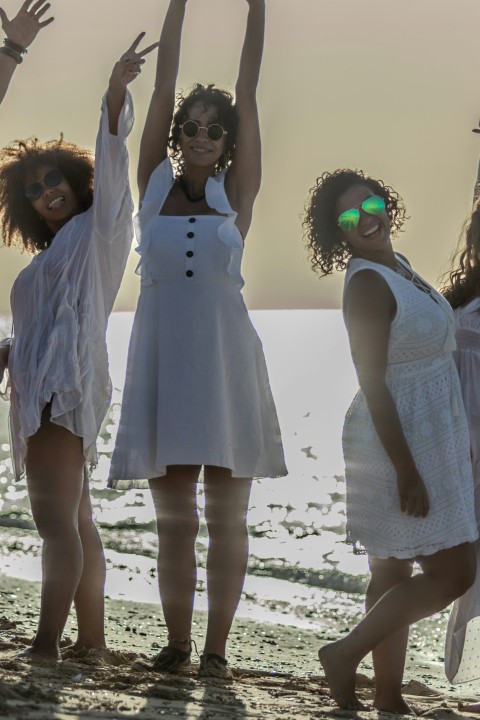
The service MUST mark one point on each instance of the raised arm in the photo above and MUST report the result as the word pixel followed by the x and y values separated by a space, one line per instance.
pixel 244 176
pixel 153 146
pixel 20 32
pixel 124 71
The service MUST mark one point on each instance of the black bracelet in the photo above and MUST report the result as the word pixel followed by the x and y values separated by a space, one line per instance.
pixel 14 46
pixel 11 53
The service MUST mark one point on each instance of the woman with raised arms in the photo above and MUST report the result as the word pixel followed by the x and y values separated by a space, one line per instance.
pixel 197 392
pixel 76 221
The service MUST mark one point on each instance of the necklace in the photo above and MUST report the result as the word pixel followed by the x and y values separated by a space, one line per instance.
pixel 183 185
pixel 412 277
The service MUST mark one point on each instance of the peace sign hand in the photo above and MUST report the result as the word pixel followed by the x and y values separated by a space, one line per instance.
pixel 130 64
pixel 24 27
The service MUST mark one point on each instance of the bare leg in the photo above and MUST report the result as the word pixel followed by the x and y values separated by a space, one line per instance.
pixel 469 707
pixel 389 655
pixel 175 500
pixel 446 575
pixel 54 466
pixel 226 506
pixel 90 596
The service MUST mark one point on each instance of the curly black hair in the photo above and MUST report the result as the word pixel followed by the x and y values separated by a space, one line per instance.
pixel 462 282
pixel 19 223
pixel 327 249
pixel 226 116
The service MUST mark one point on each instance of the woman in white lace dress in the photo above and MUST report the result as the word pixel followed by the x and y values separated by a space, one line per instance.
pixel 462 655
pixel 76 221
pixel 197 391
pixel 406 445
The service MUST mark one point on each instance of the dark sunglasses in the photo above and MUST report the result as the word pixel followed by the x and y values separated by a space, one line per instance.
pixel 191 128
pixel 349 219
pixel 51 179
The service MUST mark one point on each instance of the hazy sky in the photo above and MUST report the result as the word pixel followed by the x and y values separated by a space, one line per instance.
pixel 389 87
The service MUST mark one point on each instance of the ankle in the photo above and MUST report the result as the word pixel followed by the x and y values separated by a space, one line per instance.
pixel 184 644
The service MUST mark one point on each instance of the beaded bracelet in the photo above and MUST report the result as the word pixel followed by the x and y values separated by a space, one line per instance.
pixel 14 46
pixel 11 53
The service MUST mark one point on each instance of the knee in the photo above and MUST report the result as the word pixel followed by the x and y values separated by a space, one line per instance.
pixel 385 574
pixel 457 578
pixel 178 527
pixel 229 526
pixel 462 579
pixel 51 527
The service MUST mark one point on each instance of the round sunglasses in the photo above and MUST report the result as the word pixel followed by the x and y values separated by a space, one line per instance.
pixel 349 219
pixel 191 128
pixel 51 179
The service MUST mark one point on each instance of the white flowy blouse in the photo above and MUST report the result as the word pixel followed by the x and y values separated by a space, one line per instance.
pixel 61 303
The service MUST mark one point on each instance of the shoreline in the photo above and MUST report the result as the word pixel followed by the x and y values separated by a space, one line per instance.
pixel 276 670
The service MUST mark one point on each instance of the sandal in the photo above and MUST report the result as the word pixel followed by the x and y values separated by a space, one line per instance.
pixel 214 666
pixel 169 660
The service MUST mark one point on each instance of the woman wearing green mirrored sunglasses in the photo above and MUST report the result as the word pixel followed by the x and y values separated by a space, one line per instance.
pixel 405 440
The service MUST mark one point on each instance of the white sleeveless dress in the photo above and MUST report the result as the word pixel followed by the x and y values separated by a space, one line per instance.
pixel 196 389
pixel 423 380
pixel 462 647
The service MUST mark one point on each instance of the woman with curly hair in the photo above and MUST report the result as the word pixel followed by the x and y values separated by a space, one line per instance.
pixel 462 290
pixel 197 391
pixel 76 221
pixel 406 447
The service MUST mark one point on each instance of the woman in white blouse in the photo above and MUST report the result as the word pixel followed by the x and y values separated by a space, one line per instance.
pixel 462 656
pixel 76 220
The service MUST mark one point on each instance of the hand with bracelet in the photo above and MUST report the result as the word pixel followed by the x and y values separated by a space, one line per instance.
pixel 20 32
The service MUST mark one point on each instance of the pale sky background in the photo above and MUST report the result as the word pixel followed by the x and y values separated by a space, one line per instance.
pixel 390 87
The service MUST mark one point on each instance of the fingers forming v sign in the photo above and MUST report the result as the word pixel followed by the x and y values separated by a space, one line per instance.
pixel 24 27
pixel 130 64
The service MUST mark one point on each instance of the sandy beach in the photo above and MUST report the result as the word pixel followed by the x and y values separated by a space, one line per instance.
pixel 276 671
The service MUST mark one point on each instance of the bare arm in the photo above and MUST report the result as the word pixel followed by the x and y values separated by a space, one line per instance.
pixel 153 146
pixel 124 71
pixel 22 31
pixel 244 176
pixel 4 353
pixel 369 309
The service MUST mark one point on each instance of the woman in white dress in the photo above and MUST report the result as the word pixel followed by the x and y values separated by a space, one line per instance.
pixel 462 656
pixel 197 391
pixel 406 445
pixel 76 221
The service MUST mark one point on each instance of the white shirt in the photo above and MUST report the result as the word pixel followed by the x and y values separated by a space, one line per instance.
pixel 61 303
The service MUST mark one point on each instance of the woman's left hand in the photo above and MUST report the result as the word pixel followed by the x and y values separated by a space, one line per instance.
pixel 130 64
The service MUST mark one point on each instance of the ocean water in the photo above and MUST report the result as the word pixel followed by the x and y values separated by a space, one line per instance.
pixel 299 559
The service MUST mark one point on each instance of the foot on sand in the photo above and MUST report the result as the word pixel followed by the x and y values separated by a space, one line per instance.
pixel 340 675
pixel 98 656
pixel 395 705
pixel 36 657
pixel 469 707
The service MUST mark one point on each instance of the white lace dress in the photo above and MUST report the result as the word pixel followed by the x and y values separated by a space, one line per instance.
pixel 462 649
pixel 197 389
pixel 60 306
pixel 423 380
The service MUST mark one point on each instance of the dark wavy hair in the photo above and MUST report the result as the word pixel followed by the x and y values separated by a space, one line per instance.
pixel 462 282
pixel 19 222
pixel 226 116
pixel 327 248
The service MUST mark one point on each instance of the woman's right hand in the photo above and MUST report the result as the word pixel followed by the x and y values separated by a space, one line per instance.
pixel 413 494
pixel 25 26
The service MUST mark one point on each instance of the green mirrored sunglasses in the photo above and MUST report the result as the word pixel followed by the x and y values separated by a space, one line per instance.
pixel 349 219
